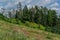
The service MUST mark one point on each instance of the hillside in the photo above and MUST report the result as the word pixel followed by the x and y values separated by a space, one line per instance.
pixel 29 20
pixel 9 31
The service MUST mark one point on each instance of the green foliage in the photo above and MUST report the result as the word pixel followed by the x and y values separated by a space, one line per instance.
pixel 49 36
pixel 31 24
pixel 2 17
pixel 35 16
pixel 42 27
pixel 13 20
pixel 25 13
pixel 10 31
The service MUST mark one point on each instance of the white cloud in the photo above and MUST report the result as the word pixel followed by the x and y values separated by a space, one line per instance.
pixel 40 2
pixel 8 5
pixel 3 0
pixel 15 2
pixel 30 3
pixel 0 8
pixel 29 6
pixel 54 5
pixel 54 8
pixel 44 2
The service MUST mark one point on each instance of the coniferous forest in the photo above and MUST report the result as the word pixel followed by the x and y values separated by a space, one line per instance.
pixel 36 14
pixel 39 15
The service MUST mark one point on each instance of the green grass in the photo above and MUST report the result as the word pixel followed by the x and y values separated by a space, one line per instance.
pixel 7 33
pixel 10 31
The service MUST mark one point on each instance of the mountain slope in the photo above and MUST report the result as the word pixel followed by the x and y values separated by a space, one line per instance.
pixel 9 31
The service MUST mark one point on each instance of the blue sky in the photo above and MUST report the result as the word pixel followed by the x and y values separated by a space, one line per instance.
pixel 52 4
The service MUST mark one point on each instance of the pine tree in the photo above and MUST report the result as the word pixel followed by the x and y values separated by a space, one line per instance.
pixel 16 17
pixel 20 12
pixel 45 16
pixel 10 16
pixel 32 14
pixel 25 13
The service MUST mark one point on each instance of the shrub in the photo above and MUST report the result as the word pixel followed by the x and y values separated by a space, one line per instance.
pixel 42 27
pixel 31 24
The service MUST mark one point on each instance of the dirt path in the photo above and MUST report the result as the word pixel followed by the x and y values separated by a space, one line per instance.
pixel 28 34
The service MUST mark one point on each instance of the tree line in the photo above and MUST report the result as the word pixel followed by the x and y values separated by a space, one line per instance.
pixel 39 15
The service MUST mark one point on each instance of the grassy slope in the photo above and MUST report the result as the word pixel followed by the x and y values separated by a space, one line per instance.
pixel 10 31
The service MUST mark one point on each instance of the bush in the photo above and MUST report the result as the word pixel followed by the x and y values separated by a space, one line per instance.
pixel 12 21
pixel 42 27
pixel 49 29
pixel 31 24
